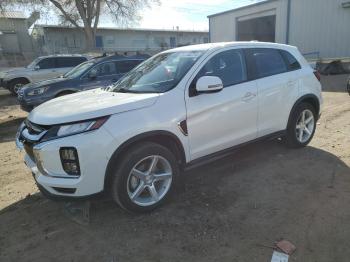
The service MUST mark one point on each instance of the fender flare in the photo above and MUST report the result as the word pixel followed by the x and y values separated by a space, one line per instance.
pixel 146 136
pixel 307 97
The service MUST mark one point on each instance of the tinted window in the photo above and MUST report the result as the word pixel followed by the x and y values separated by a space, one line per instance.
pixel 229 66
pixel 268 62
pixel 126 66
pixel 47 63
pixel 105 69
pixel 291 61
pixel 69 61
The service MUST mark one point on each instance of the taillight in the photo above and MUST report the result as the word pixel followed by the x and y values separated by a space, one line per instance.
pixel 318 75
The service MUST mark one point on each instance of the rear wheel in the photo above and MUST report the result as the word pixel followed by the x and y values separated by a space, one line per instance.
pixel 301 126
pixel 16 84
pixel 144 178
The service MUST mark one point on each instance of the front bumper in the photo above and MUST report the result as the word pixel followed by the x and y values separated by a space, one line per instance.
pixel 53 182
pixel 28 104
pixel 3 83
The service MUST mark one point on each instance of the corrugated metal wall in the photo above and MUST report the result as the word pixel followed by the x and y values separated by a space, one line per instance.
pixel 315 25
pixel 320 26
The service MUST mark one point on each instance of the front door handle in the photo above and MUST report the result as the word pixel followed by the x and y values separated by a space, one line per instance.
pixel 248 96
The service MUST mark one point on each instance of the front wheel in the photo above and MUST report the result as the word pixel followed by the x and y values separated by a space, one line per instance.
pixel 301 126
pixel 16 84
pixel 144 178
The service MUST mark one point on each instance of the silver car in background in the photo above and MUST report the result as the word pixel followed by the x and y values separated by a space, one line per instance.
pixel 42 68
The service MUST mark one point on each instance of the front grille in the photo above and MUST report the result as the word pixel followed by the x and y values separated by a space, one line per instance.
pixel 35 129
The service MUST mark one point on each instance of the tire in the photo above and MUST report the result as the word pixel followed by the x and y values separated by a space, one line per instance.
pixel 15 84
pixel 133 190
pixel 300 133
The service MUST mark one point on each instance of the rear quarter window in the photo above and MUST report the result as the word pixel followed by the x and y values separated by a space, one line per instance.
pixel 292 62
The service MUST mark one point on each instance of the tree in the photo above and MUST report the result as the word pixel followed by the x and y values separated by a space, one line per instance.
pixel 85 14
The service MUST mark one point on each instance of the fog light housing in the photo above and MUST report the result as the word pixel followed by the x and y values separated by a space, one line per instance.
pixel 70 161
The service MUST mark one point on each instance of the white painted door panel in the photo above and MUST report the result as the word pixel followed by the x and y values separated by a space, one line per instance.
pixel 276 94
pixel 217 121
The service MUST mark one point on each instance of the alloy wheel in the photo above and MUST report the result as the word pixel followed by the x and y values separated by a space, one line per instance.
pixel 149 180
pixel 17 87
pixel 305 126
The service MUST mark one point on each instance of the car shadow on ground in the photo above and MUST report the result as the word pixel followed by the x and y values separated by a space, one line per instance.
pixel 224 211
pixel 7 99
pixel 8 128
pixel 334 83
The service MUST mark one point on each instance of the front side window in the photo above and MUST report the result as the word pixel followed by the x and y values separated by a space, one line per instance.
pixel 105 69
pixel 228 65
pixel 78 70
pixel 158 74
pixel 47 63
pixel 268 62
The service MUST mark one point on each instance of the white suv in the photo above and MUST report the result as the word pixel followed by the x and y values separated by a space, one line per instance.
pixel 176 109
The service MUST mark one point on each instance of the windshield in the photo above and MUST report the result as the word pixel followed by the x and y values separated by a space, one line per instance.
pixel 34 63
pixel 158 74
pixel 78 70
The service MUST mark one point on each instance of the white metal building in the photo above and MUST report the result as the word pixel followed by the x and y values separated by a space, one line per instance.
pixel 14 36
pixel 319 28
pixel 62 39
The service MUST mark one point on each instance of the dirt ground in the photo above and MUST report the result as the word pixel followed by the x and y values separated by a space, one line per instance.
pixel 230 210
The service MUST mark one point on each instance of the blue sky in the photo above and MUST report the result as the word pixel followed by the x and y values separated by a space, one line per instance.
pixel 187 14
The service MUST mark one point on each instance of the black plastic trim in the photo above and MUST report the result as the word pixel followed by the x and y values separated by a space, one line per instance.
pixel 222 153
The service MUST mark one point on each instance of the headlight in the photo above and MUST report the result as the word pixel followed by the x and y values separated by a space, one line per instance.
pixel 74 128
pixel 37 91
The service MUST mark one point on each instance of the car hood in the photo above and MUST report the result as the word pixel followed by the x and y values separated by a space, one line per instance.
pixel 87 105
pixel 43 83
pixel 14 71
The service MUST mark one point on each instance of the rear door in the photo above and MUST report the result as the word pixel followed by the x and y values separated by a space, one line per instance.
pixel 277 88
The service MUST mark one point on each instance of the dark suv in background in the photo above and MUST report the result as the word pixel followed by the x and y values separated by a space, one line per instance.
pixel 94 73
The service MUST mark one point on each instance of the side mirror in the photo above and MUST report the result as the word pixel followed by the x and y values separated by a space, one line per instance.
pixel 92 74
pixel 36 68
pixel 209 84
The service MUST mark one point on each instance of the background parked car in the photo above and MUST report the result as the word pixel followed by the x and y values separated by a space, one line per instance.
pixel 41 68
pixel 97 72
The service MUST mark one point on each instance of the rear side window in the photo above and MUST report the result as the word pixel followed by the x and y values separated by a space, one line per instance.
pixel 125 66
pixel 69 61
pixel 292 62
pixel 268 62
pixel 229 66
pixel 47 63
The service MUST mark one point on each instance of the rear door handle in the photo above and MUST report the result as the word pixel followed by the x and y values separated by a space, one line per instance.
pixel 248 96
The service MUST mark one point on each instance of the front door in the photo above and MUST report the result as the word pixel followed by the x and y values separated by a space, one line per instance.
pixel 104 75
pixel 220 120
